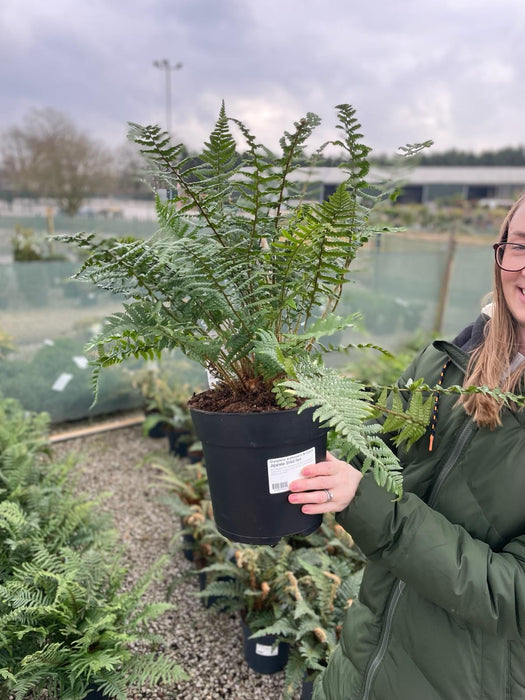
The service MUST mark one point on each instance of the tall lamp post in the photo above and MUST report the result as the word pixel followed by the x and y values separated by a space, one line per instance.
pixel 168 67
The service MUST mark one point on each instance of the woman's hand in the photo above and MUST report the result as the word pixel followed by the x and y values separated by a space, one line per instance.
pixel 326 487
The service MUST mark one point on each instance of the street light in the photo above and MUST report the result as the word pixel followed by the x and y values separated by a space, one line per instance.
pixel 168 67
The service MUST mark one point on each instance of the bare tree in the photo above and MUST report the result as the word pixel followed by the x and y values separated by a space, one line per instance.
pixel 130 172
pixel 49 157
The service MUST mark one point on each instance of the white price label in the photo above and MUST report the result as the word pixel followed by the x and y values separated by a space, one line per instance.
pixel 283 470
pixel 62 381
pixel 81 361
pixel 212 379
pixel 265 650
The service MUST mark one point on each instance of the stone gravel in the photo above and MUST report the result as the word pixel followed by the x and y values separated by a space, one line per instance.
pixel 208 645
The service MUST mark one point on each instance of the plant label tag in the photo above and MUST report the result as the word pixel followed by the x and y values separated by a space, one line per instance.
pixel 265 650
pixel 212 379
pixel 62 381
pixel 81 361
pixel 283 470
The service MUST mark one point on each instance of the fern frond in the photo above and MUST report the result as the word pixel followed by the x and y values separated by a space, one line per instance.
pixel 344 405
pixel 281 628
pixel 152 669
pixel 293 674
pixel 357 167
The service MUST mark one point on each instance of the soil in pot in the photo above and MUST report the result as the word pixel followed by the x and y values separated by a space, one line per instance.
pixel 250 458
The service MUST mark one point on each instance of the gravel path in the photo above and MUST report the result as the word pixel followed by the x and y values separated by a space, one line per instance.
pixel 207 645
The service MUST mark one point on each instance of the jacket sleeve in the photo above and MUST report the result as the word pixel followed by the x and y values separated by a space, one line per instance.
pixel 440 560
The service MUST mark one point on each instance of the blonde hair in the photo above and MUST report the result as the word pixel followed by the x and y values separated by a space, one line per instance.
pixel 490 362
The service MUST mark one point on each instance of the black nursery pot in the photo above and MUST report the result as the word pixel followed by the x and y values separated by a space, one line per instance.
pixel 307 690
pixel 188 542
pixel 248 457
pixel 157 431
pixel 261 655
pixel 95 694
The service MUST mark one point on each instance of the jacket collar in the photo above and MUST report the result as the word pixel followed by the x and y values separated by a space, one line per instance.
pixel 464 343
pixel 458 356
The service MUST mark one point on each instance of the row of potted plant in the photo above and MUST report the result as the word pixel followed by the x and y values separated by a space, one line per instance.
pixel 290 598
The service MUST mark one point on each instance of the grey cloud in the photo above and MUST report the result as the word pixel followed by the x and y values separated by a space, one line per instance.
pixel 414 70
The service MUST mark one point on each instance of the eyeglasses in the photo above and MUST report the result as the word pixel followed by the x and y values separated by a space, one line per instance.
pixel 510 256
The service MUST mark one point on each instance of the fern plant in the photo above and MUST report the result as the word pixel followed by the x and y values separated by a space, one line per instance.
pixel 65 622
pixel 313 595
pixel 237 252
pixel 297 592
pixel 243 275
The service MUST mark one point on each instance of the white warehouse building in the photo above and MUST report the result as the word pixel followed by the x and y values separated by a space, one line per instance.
pixel 428 183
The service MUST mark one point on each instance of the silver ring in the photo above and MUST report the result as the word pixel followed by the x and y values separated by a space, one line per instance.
pixel 329 495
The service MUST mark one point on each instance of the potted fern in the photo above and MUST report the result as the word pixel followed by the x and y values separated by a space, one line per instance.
pixel 165 407
pixel 319 584
pixel 249 583
pixel 244 276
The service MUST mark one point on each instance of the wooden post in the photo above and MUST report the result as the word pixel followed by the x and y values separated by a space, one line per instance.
pixel 445 284
pixel 50 218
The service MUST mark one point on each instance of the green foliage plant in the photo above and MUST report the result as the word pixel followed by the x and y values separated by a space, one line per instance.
pixel 7 344
pixel 165 399
pixel 66 622
pixel 246 582
pixel 297 591
pixel 186 487
pixel 313 596
pixel 30 246
pixel 237 252
pixel 244 275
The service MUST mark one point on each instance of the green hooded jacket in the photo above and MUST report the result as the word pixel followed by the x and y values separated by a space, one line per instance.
pixel 441 610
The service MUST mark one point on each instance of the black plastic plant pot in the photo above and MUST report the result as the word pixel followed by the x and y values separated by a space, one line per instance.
pixel 307 689
pixel 178 442
pixel 157 431
pixel 188 542
pixel 262 654
pixel 250 458
pixel 95 694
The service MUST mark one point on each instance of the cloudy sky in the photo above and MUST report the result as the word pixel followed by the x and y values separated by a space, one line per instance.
pixel 447 70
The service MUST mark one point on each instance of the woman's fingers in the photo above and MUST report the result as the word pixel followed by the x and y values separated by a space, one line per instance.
pixel 318 476
pixel 315 501
pixel 327 486
pixel 314 496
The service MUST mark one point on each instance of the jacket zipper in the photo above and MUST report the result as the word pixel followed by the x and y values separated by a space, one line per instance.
pixel 451 461
pixel 400 587
pixel 380 653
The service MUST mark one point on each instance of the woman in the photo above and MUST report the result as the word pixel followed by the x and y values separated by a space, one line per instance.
pixel 441 611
